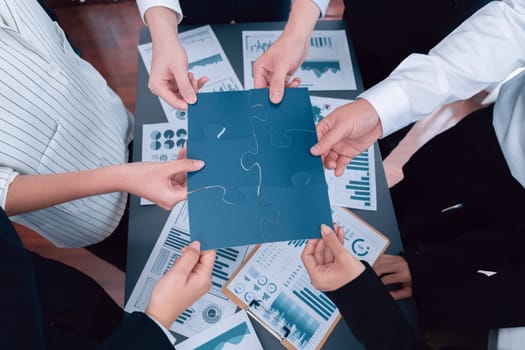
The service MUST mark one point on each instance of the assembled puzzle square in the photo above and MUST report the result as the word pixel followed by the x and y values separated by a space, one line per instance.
pixel 260 182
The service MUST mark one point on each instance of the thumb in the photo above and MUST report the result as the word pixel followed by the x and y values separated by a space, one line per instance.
pixel 185 86
pixel 330 136
pixel 331 241
pixel 190 257
pixel 181 165
pixel 277 85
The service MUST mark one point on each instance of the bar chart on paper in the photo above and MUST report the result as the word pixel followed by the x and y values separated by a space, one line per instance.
pixel 315 299
pixel 359 184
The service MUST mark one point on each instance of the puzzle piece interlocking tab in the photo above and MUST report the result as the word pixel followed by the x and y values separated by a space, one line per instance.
pixel 260 181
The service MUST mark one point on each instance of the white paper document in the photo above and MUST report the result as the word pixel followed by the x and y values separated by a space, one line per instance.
pixel 356 188
pixel 235 332
pixel 212 307
pixel 360 238
pixel 161 142
pixel 205 58
pixel 327 67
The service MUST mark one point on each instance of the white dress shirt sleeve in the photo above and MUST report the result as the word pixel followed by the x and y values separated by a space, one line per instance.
pixel 483 51
pixel 144 5
pixel 7 175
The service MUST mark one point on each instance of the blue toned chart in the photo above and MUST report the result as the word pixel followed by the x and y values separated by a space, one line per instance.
pixel 275 286
pixel 362 240
pixel 235 332
pixel 213 306
pixel 327 67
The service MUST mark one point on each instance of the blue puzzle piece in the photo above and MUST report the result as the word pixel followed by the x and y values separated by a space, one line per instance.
pixel 293 113
pixel 223 167
pixel 230 109
pixel 302 209
pixel 279 163
pixel 217 224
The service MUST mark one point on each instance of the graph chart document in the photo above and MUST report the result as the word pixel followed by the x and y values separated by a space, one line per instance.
pixel 327 67
pixel 235 332
pixel 205 58
pixel 275 288
pixel 356 188
pixel 212 307
pixel 161 143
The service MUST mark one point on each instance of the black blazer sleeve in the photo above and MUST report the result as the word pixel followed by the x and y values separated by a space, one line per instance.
pixel 373 316
pixel 138 332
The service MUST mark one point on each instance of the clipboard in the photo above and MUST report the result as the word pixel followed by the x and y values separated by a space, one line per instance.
pixel 237 288
pixel 282 334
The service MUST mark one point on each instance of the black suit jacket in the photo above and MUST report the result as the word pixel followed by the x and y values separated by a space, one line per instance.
pixel 373 316
pixel 47 305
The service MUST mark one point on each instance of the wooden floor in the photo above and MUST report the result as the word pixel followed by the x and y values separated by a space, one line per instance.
pixel 107 37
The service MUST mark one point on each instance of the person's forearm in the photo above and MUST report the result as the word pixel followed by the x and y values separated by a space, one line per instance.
pixel 302 20
pixel 32 192
pixel 162 23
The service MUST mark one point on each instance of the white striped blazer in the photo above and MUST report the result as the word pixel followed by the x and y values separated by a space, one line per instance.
pixel 57 114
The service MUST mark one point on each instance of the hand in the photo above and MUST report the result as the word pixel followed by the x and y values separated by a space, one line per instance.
pixel 345 133
pixel 182 285
pixel 278 64
pixel 169 78
pixel 328 263
pixel 393 269
pixel 164 184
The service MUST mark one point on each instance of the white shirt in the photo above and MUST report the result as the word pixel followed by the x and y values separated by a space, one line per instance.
pixel 57 114
pixel 480 53
pixel 144 5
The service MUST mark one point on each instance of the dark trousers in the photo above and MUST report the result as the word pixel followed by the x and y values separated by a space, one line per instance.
pixel 464 166
pixel 46 304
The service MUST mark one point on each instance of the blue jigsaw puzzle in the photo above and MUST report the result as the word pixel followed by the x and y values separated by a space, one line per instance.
pixel 260 183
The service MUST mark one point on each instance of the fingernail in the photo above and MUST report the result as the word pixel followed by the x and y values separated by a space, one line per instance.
pixel 195 245
pixel 325 230
pixel 315 149
pixel 198 163
pixel 191 99
pixel 275 96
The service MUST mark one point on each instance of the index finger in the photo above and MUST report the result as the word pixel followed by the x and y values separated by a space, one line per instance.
pixel 308 254
pixel 168 95
pixel 206 261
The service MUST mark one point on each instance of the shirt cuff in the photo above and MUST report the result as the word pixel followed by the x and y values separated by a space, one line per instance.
pixel 391 104
pixel 145 5
pixel 7 175
pixel 323 5
pixel 170 336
